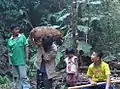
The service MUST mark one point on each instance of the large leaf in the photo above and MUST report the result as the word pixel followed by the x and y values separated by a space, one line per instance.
pixel 33 58
pixel 68 42
pixel 85 19
pixel 98 17
pixel 95 2
pixel 83 28
pixel 36 5
pixel 84 46
pixel 109 58
pixel 63 87
pixel 21 11
pixel 58 56
pixel 55 26
pixel 118 32
pixel 61 13
pixel 64 17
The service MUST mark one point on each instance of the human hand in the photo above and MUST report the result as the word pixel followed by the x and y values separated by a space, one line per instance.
pixel 27 61
pixel 47 56
pixel 107 88
pixel 93 82
pixel 38 43
pixel 76 74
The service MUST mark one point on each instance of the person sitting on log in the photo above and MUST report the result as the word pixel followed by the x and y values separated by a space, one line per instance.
pixel 98 71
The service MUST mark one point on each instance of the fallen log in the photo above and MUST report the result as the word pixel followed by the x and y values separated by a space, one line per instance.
pixel 89 85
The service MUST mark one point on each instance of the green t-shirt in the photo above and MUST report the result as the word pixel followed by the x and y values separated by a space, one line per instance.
pixel 16 49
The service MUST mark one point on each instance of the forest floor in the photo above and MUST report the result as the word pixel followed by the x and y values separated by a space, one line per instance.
pixel 59 81
pixel 33 85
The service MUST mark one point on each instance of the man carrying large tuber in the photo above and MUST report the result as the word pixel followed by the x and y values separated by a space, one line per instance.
pixel 45 60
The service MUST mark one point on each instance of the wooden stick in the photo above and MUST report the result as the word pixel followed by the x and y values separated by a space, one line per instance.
pixel 89 85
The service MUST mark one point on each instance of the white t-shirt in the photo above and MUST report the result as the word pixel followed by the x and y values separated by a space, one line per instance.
pixel 71 65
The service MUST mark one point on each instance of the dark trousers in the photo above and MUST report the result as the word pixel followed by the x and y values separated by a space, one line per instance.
pixel 43 81
pixel 102 86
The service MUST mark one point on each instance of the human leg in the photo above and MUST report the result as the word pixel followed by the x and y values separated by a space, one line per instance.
pixel 39 80
pixel 102 86
pixel 111 87
pixel 16 76
pixel 92 87
pixel 47 82
pixel 23 77
pixel 70 80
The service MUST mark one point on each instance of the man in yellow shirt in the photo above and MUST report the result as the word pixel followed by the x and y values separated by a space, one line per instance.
pixel 99 71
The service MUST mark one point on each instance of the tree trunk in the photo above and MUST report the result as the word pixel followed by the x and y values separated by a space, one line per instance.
pixel 73 25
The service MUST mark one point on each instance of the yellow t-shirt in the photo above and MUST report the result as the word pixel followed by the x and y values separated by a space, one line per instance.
pixel 100 72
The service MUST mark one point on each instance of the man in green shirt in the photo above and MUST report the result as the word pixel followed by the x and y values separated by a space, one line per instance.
pixel 17 45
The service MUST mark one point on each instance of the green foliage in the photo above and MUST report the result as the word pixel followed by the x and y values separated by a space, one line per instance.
pixel 31 68
pixel 59 18
pixel 4 80
pixel 85 29
pixel 102 18
pixel 98 23
pixel 84 46
pixel 58 57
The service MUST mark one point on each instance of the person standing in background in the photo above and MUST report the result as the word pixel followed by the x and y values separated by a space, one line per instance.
pixel 71 67
pixel 17 52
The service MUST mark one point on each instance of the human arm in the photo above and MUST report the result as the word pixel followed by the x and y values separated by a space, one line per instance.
pixel 76 63
pixel 51 54
pixel 91 81
pixel 107 82
pixel 107 73
pixel 90 74
pixel 77 68
pixel 26 45
pixel 27 53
